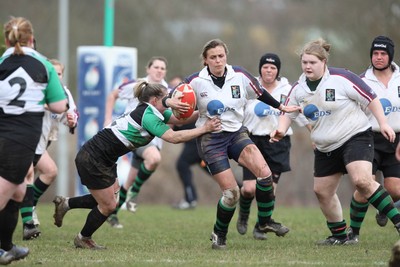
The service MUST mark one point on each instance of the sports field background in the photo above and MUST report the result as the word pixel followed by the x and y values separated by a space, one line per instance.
pixel 160 236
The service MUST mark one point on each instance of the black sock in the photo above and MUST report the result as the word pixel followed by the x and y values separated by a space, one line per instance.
pixel 82 202
pixel 245 205
pixel 93 222
pixel 357 214
pixel 338 229
pixel 224 217
pixel 382 201
pixel 122 198
pixel 142 176
pixel 27 204
pixel 265 201
pixel 8 223
pixel 39 188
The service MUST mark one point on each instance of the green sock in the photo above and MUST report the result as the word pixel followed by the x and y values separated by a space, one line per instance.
pixel 142 176
pixel 357 215
pixel 383 202
pixel 338 229
pixel 26 208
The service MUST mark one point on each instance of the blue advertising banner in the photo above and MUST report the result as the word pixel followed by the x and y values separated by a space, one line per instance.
pixel 101 70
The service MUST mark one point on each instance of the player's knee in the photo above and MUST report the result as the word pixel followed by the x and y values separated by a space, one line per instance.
pixel 248 189
pixel 51 174
pixel 230 197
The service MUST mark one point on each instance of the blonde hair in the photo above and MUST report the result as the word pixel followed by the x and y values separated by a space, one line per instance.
pixel 319 48
pixel 144 90
pixel 18 31
pixel 56 62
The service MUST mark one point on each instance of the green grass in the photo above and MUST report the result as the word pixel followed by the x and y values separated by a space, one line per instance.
pixel 161 236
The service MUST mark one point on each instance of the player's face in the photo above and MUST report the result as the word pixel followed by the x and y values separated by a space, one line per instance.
pixel 312 67
pixel 268 73
pixel 379 59
pixel 157 71
pixel 216 60
pixel 158 102
pixel 59 71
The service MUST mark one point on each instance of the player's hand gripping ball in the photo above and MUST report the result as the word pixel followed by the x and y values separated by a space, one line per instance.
pixel 188 96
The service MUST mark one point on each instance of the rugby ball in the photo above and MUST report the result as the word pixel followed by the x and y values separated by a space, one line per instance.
pixel 188 96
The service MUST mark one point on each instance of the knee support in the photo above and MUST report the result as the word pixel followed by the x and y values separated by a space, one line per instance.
pixel 265 181
pixel 230 197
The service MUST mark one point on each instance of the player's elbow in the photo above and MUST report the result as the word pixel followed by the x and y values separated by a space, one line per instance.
pixel 58 107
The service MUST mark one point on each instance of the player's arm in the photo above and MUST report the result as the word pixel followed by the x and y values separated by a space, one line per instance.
pixel 193 118
pixel 268 99
pixel 182 136
pixel 110 102
pixel 377 110
pixel 283 126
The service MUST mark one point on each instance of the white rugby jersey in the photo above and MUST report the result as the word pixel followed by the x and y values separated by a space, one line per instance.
pixel 227 102
pixel 125 92
pixel 333 109
pixel 389 98
pixel 51 122
pixel 261 119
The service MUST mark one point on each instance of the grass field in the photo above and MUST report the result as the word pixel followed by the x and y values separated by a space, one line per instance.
pixel 161 236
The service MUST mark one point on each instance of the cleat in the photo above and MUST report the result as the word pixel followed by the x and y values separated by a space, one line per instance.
pixel 184 205
pixel 395 258
pixel 5 257
pixel 30 231
pixel 131 204
pixel 86 243
pixel 61 208
pixel 352 239
pixel 114 222
pixel 332 241
pixel 241 224
pixel 381 219
pixel 272 226
pixel 35 217
pixel 18 252
pixel 218 242
pixel 397 226
pixel 258 234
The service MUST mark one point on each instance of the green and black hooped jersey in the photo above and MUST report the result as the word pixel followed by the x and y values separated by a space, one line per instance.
pixel 27 83
pixel 129 132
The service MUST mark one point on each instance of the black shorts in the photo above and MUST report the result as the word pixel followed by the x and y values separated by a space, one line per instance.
pixel 384 157
pixel 277 155
pixel 94 173
pixel 358 147
pixel 15 160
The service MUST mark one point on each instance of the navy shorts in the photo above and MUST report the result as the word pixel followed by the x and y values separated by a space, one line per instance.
pixel 384 157
pixel 217 148
pixel 358 147
pixel 15 160
pixel 277 155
